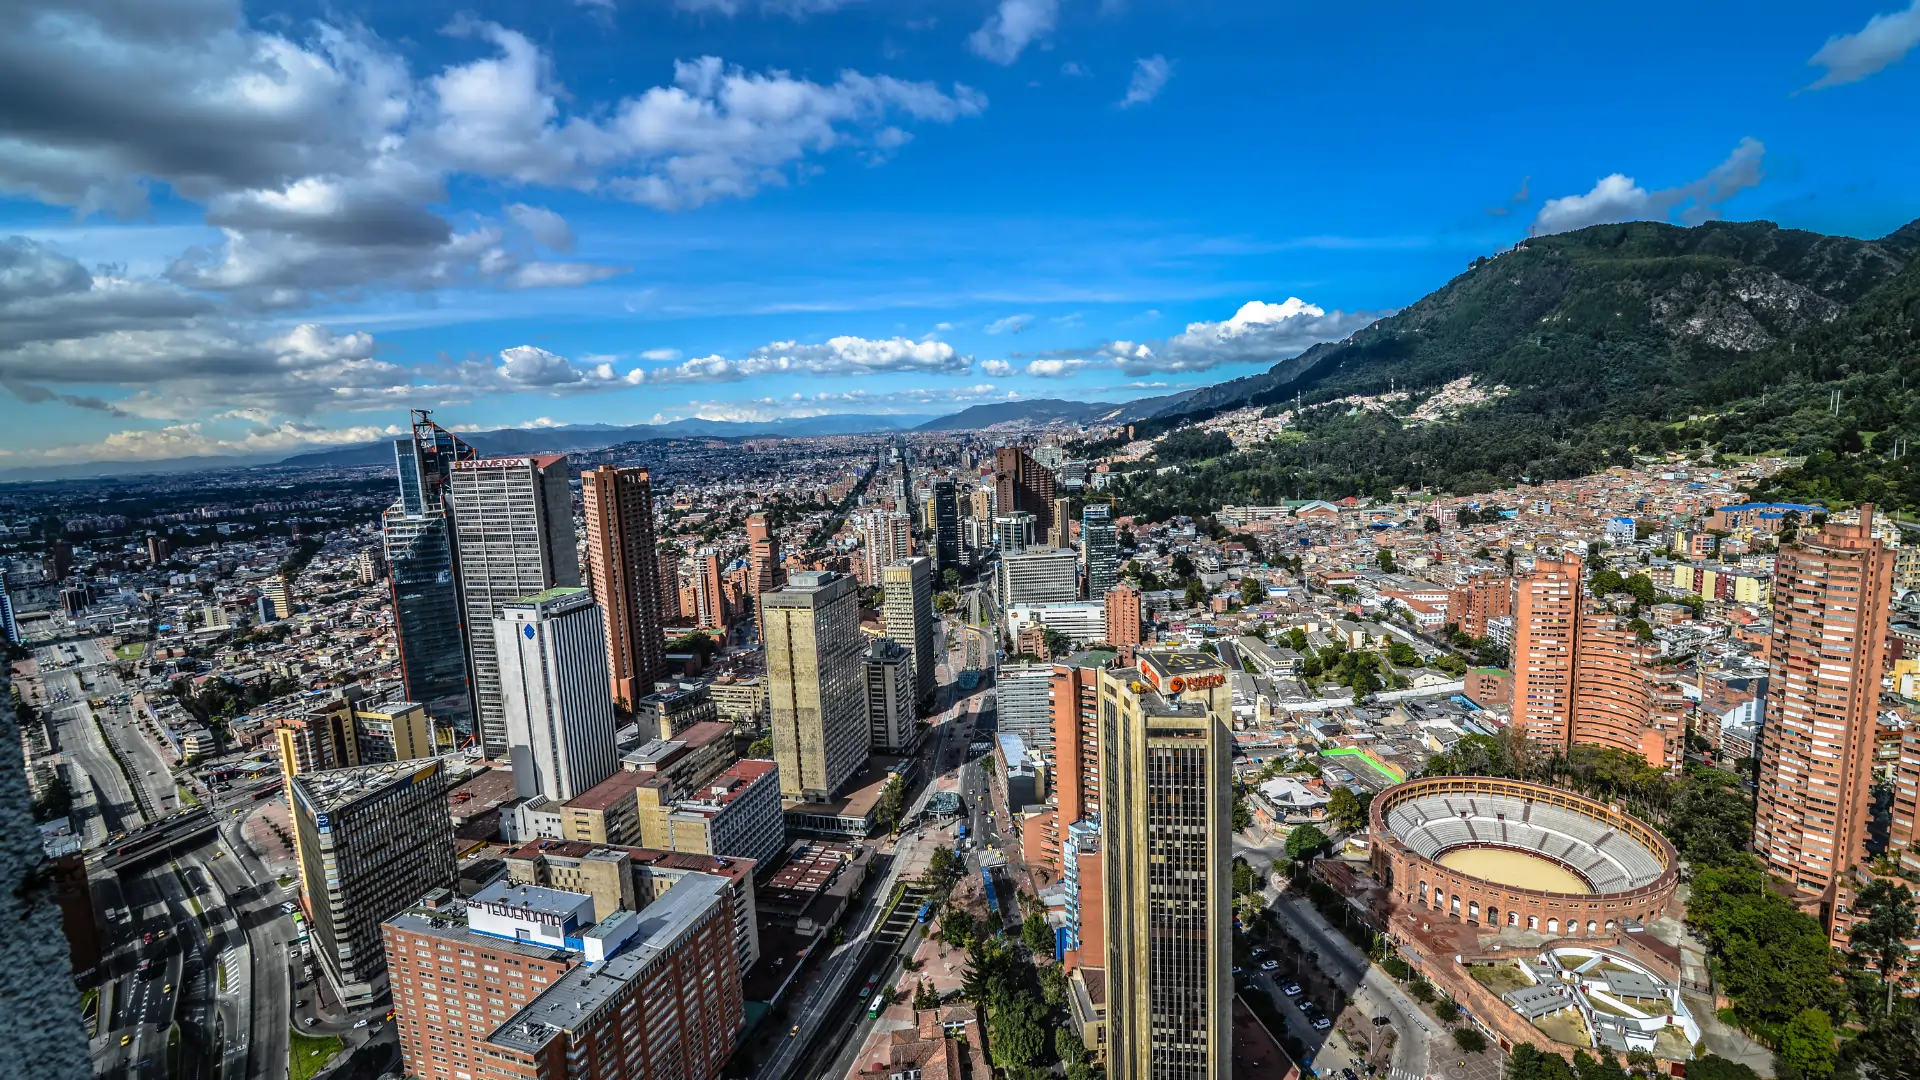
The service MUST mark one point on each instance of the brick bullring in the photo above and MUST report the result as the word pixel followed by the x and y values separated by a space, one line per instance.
pixel 1628 868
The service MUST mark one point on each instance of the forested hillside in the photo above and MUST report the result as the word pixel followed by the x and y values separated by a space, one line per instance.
pixel 1615 339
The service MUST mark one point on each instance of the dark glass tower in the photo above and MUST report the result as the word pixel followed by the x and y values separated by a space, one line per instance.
pixel 946 525
pixel 423 574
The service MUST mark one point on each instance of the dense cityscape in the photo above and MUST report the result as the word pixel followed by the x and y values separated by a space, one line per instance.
pixel 919 752
pixel 959 540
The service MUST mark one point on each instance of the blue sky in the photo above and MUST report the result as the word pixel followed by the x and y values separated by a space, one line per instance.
pixel 232 229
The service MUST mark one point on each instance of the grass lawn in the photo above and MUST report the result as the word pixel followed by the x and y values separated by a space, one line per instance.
pixel 306 1054
pixel 133 651
pixel 1498 978
pixel 1565 1026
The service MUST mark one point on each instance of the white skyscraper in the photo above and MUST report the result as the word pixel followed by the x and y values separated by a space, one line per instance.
pixel 553 682
pixel 513 535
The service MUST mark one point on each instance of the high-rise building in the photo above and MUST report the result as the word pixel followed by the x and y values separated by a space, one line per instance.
pixel 763 558
pixel 1830 600
pixel 9 626
pixel 816 685
pixel 1100 547
pixel 982 503
pixel 347 730
pixel 553 686
pixel 709 592
pixel 1546 613
pixel 1040 576
pixel 733 815
pixel 574 998
pixel 946 525
pixel 157 550
pixel 1060 532
pixel 1582 674
pixel 890 700
pixel 423 575
pixel 513 530
pixel 1022 702
pixel 371 840
pixel 1021 483
pixel 1013 533
pixel 275 591
pixel 1075 704
pixel 621 572
pixel 889 540
pixel 1472 604
pixel 667 562
pixel 1166 818
pixel 1123 615
pixel 908 608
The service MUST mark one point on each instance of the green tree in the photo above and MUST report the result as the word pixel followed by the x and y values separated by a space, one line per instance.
pixel 1242 811
pixel 1252 591
pixel 957 928
pixel 1447 1010
pixel 1347 810
pixel 892 803
pixel 1017 1029
pixel 1805 1050
pixel 1774 960
pixel 1304 842
pixel 1385 560
pixel 1469 1040
pixel 762 748
pixel 1429 525
pixel 1196 593
pixel 1245 881
pixel 1715 1067
pixel 1879 940
pixel 1037 935
pixel 1589 1067
pixel 1528 1063
pixel 944 868
pixel 1402 654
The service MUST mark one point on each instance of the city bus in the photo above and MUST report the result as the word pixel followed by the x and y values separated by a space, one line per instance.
pixel 879 1003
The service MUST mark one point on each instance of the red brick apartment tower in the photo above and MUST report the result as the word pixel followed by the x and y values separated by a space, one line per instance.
pixel 1546 616
pixel 1483 597
pixel 623 577
pixel 1830 601
pixel 1123 615
pixel 1021 483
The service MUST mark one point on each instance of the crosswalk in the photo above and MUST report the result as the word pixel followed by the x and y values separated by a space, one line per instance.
pixel 1397 1073
pixel 230 969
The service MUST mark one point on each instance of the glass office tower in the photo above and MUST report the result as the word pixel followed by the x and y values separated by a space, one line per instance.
pixel 423 576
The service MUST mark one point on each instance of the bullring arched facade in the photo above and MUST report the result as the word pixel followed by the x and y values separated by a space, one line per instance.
pixel 1630 867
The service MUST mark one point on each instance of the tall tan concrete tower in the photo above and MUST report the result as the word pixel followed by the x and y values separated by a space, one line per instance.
pixel 816 683
pixel 1166 816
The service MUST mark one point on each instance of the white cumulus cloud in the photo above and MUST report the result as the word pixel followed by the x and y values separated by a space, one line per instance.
pixel 1882 43
pixel 1618 197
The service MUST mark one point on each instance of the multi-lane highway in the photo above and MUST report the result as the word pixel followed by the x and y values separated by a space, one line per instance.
pixel 204 919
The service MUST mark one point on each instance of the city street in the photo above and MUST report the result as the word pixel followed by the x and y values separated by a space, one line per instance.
pixel 218 955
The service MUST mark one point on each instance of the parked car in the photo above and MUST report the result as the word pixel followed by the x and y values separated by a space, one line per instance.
pixel 1269 965
pixel 1291 989
pixel 1321 1023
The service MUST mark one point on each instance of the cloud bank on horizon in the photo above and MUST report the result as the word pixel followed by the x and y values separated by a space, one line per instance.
pixel 227 231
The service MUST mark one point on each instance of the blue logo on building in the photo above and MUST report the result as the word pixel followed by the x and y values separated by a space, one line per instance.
pixel 527 629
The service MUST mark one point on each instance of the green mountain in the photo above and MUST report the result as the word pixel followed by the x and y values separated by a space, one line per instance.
pixel 1613 340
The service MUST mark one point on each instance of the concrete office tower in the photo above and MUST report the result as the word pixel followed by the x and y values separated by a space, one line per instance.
pixel 1546 613
pixel 9 627
pixel 908 604
pixel 764 571
pixel 1100 548
pixel 890 703
pixel 1013 532
pixel 513 529
pixel 621 572
pixel 573 999
pixel 1074 701
pixel 423 575
pixel 553 685
pixel 1166 829
pixel 982 503
pixel 1123 615
pixel 371 840
pixel 1830 600
pixel 1040 576
pixel 816 685
pixel 946 525
pixel 889 540
pixel 1060 533
pixel 1021 483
